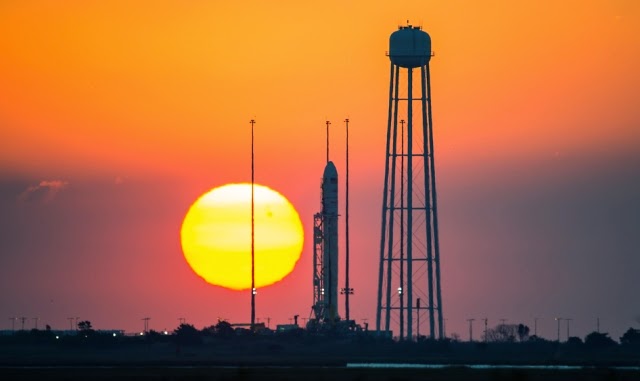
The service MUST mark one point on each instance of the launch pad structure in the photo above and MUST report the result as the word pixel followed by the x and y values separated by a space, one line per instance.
pixel 324 309
pixel 325 250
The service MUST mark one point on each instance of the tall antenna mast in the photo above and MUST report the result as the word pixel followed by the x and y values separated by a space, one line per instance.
pixel 347 290
pixel 328 124
pixel 253 254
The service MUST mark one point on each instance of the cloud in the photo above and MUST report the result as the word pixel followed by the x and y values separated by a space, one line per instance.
pixel 45 191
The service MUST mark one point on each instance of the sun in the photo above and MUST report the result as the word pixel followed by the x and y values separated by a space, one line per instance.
pixel 216 236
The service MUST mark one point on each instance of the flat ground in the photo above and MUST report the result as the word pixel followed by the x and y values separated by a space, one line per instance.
pixel 308 374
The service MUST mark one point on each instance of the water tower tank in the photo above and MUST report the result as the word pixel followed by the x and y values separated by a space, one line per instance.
pixel 409 47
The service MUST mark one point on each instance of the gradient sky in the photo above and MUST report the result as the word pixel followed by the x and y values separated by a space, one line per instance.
pixel 116 115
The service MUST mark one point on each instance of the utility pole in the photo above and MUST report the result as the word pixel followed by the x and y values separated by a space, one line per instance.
pixel 253 253
pixel 568 321
pixel 503 321
pixel 22 320
pixel 471 329
pixel 13 323
pixel 558 320
pixel 35 323
pixel 70 323
pixel 486 322
pixel 146 324
pixel 77 318
pixel 182 320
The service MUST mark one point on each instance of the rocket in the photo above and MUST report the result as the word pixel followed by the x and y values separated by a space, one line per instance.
pixel 330 238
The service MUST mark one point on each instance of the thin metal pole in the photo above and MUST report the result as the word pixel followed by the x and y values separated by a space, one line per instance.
pixel 402 228
pixel 392 202
pixel 471 329
pixel 418 319
pixel 346 267
pixel 410 204
pixel 436 240
pixel 253 254
pixel 428 202
pixel 558 320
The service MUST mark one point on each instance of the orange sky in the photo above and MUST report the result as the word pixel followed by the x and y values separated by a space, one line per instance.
pixel 162 86
pixel 150 90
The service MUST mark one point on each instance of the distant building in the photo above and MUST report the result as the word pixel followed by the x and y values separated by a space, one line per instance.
pixel 287 327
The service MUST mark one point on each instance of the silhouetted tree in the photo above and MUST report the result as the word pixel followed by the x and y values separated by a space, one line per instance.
pixel 187 334
pixel 502 333
pixel 574 341
pixel 631 337
pixel 209 331
pixel 523 332
pixel 85 328
pixel 224 329
pixel 599 340
pixel 153 336
pixel 535 338
pixel 84 325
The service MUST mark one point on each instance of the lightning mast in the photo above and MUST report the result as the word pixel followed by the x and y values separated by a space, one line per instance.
pixel 253 254
pixel 347 290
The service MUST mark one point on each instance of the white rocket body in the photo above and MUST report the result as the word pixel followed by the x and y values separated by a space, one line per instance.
pixel 330 235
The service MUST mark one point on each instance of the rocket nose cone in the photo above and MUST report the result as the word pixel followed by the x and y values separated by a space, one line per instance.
pixel 330 170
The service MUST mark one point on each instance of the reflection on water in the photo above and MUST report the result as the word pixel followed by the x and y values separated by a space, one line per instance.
pixel 480 366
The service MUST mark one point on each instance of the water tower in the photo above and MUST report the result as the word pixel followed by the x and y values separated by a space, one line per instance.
pixel 409 275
